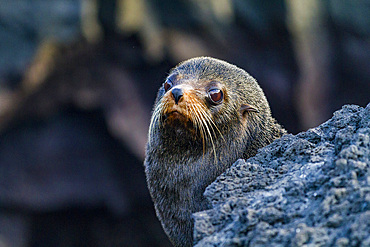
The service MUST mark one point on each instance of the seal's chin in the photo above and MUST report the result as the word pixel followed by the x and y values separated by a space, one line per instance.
pixel 175 114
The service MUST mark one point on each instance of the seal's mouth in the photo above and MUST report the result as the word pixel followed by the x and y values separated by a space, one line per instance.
pixel 175 117
pixel 187 113
pixel 175 114
pixel 175 111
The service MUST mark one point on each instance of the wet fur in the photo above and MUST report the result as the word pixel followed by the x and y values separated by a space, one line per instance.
pixel 179 165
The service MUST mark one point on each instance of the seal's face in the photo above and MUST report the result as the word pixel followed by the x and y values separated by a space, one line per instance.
pixel 190 106
pixel 199 101
pixel 191 103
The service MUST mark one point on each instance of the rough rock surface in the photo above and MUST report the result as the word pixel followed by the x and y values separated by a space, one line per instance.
pixel 312 189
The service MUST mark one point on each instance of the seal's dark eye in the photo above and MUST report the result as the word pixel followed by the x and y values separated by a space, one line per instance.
pixel 167 85
pixel 216 95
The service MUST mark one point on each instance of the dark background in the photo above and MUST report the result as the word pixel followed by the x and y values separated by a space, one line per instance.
pixel 78 79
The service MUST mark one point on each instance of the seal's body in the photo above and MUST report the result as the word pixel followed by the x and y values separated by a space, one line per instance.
pixel 207 114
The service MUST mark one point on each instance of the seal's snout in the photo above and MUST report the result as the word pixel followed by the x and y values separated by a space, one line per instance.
pixel 177 93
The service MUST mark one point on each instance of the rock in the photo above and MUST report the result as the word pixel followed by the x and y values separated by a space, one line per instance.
pixel 309 189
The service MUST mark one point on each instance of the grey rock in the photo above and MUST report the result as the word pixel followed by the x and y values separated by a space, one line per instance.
pixel 311 189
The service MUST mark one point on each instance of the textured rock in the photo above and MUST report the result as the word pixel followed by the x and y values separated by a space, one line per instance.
pixel 310 189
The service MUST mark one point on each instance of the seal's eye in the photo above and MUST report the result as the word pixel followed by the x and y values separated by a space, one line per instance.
pixel 167 85
pixel 216 95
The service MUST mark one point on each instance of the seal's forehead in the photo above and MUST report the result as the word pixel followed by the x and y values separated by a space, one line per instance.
pixel 203 68
pixel 200 65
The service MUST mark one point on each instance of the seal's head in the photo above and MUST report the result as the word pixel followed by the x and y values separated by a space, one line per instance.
pixel 205 101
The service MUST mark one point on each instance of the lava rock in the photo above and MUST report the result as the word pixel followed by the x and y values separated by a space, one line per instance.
pixel 309 189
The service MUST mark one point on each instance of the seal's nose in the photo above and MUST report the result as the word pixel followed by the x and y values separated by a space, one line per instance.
pixel 177 94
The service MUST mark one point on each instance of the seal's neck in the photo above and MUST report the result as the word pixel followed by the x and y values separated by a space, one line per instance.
pixel 177 186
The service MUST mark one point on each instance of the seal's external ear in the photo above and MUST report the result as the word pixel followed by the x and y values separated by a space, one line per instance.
pixel 247 108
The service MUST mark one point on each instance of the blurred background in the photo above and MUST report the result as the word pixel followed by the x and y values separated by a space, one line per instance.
pixel 78 79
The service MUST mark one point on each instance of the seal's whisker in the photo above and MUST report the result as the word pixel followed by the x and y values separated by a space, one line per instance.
pixel 210 126
pixel 156 118
pixel 210 119
pixel 199 124
pixel 207 127
pixel 153 122
pixel 203 133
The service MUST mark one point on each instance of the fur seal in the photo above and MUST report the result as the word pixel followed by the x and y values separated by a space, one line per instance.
pixel 207 114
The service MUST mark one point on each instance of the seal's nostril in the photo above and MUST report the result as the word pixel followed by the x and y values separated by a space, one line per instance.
pixel 177 94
